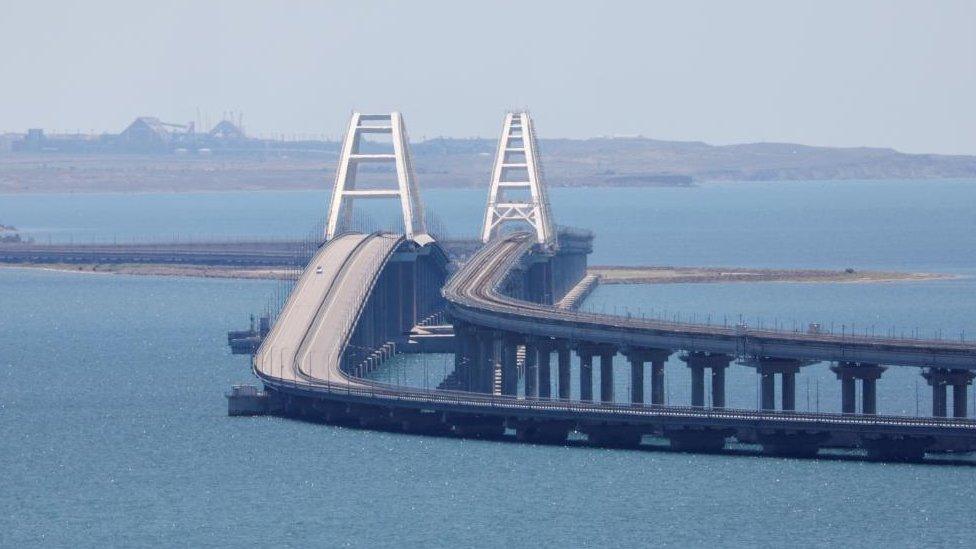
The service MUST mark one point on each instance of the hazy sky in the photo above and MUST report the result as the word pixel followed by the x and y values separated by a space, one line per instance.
pixel 886 74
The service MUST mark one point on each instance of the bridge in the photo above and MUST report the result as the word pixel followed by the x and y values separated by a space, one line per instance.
pixel 362 295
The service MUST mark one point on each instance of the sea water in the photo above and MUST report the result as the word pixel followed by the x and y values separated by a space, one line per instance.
pixel 113 427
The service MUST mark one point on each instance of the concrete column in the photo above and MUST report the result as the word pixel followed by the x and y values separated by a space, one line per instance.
pixel 606 375
pixel 939 399
pixel 636 379
pixel 847 391
pixel 698 362
pixel 789 391
pixel 959 400
pixel 462 357
pixel 697 386
pixel 848 373
pixel 509 366
pixel 483 364
pixel 718 387
pixel 768 367
pixel 657 382
pixel 586 373
pixel 940 379
pixel 545 374
pixel 531 370
pixel 767 390
pixel 562 354
pixel 869 396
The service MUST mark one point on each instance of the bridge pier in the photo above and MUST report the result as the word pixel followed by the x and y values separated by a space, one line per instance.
pixel 848 373
pixel 767 368
pixel 698 362
pixel 563 358
pixel 545 347
pixel 586 353
pixel 509 344
pixel 606 373
pixel 637 357
pixel 531 369
pixel 940 379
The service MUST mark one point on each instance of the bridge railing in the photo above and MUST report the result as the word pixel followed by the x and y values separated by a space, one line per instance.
pixel 378 391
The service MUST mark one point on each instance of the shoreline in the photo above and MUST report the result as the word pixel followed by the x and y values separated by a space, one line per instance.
pixel 712 275
pixel 606 274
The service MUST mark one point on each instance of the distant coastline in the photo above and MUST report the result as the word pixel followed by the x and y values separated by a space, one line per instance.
pixel 697 275
pixel 466 163
pixel 607 274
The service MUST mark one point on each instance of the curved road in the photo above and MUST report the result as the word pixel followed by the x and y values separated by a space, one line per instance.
pixel 308 337
pixel 301 354
pixel 474 297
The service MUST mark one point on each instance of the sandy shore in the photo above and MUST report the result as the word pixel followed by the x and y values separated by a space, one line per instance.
pixel 199 271
pixel 608 275
pixel 673 275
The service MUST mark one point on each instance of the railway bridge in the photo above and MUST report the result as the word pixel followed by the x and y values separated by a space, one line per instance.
pixel 514 336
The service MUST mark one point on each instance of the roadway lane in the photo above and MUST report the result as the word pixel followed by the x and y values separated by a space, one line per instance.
pixel 307 340
pixel 279 347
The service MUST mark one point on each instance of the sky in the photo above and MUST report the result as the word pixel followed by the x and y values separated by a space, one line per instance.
pixel 898 74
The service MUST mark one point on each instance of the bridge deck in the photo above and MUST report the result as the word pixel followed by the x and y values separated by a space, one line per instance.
pixel 474 298
pixel 307 340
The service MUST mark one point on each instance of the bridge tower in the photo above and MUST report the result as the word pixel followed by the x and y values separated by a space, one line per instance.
pixel 518 193
pixel 345 192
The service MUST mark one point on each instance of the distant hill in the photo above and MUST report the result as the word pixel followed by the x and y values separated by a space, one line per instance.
pixel 644 162
pixel 449 162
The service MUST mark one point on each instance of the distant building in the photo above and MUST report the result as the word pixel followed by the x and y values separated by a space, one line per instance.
pixel 227 130
pixel 149 134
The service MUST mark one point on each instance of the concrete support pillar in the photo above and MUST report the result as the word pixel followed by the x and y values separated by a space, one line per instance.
pixel 509 366
pixel 789 391
pixel 562 354
pixel 481 359
pixel 697 386
pixel 657 382
pixel 637 357
pixel 531 370
pixel 869 396
pixel 767 368
pixel 959 403
pixel 847 392
pixel 586 374
pixel 606 375
pixel 940 379
pixel 718 387
pixel 698 362
pixel 849 373
pixel 767 391
pixel 939 400
pixel 636 380
pixel 545 371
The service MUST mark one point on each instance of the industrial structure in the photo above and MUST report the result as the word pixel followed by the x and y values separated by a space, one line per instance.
pixel 150 135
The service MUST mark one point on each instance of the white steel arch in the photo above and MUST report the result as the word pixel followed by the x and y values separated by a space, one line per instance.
pixel 344 192
pixel 517 170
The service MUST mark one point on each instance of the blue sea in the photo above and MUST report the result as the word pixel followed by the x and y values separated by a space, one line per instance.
pixel 113 426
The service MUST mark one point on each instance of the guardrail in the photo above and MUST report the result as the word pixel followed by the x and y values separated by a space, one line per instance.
pixel 381 392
